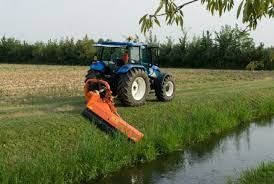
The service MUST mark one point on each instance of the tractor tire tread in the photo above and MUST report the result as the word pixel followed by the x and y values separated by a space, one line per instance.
pixel 159 90
pixel 124 85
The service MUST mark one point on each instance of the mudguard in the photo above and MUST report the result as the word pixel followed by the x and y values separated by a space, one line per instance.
pixel 125 68
pixel 154 71
pixel 160 79
pixel 98 66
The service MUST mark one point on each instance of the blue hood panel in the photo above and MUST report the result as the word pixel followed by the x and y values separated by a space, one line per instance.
pixel 98 66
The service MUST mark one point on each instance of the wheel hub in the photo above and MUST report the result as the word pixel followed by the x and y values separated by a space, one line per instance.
pixel 169 88
pixel 138 88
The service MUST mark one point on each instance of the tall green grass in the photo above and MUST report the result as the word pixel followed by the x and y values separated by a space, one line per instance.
pixel 264 174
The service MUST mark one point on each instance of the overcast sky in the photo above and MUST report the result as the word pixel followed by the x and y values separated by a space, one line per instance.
pixel 34 20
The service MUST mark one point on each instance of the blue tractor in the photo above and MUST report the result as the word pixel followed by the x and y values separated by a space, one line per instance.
pixel 132 71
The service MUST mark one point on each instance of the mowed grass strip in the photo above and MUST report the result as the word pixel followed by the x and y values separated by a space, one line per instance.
pixel 44 138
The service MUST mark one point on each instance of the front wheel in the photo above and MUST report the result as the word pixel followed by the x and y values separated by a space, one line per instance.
pixel 165 88
pixel 133 87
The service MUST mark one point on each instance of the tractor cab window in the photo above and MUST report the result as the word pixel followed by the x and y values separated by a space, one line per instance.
pixel 150 55
pixel 135 55
pixel 153 55
pixel 106 54
pixel 110 53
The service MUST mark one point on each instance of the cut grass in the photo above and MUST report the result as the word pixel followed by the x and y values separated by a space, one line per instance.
pixel 264 174
pixel 44 138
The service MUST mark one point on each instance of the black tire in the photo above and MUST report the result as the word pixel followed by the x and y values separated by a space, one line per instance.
pixel 161 87
pixel 124 89
pixel 90 75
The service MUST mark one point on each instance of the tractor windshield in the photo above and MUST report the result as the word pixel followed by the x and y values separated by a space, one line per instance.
pixel 110 53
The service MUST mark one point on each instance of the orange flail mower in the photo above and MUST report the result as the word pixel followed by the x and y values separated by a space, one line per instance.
pixel 100 108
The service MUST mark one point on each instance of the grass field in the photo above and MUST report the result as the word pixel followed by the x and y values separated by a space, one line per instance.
pixel 264 174
pixel 44 138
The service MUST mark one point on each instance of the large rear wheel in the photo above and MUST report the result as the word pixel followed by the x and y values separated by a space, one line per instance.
pixel 133 87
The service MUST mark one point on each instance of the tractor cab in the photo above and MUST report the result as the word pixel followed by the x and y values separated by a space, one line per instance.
pixel 110 56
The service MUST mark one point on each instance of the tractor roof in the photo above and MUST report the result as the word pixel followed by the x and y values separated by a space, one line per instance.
pixel 119 44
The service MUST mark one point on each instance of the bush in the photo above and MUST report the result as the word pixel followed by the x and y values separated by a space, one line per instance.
pixel 255 65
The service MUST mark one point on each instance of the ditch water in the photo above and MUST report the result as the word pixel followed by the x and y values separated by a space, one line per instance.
pixel 211 162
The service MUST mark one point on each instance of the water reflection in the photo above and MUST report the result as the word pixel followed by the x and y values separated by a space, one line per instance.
pixel 209 162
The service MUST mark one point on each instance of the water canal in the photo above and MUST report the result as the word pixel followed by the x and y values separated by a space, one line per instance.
pixel 211 162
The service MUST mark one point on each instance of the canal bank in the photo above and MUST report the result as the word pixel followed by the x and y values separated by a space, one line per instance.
pixel 214 161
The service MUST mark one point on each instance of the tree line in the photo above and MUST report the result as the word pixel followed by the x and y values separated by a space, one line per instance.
pixel 66 51
pixel 229 48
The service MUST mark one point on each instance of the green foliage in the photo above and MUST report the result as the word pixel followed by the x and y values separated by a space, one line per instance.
pixel 234 46
pixel 268 58
pixel 251 10
pixel 254 65
pixel 230 48
pixel 65 52
pixel 173 15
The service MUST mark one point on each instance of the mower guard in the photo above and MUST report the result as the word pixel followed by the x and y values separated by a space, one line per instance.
pixel 101 104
